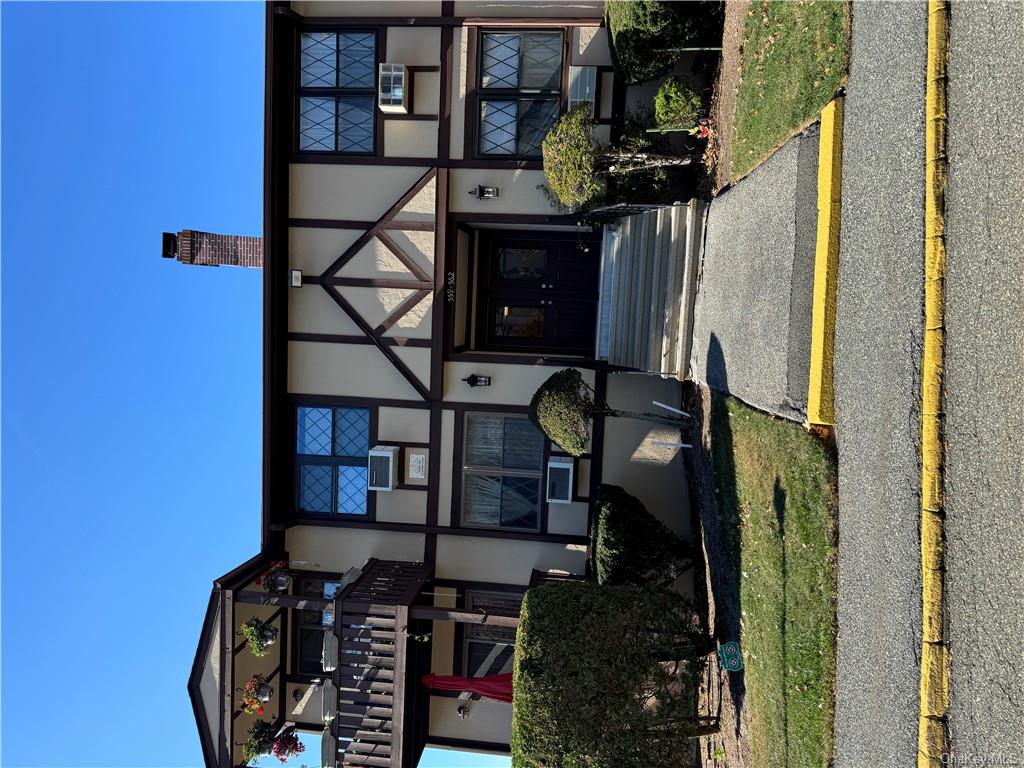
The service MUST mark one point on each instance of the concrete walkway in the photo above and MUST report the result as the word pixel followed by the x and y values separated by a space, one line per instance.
pixel 752 315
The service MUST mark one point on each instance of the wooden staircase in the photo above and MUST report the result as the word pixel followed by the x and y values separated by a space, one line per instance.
pixel 649 267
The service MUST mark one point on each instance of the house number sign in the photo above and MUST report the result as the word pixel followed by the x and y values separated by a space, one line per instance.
pixel 450 287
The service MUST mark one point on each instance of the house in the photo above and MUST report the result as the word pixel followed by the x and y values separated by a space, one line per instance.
pixel 418 288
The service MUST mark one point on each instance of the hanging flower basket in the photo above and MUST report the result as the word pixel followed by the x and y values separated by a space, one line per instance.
pixel 255 694
pixel 287 744
pixel 260 741
pixel 259 635
pixel 277 579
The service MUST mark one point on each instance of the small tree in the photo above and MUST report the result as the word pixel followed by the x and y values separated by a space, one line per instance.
pixel 575 162
pixel 631 546
pixel 564 405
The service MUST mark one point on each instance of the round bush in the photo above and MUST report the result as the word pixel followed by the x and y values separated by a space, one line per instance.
pixel 676 105
pixel 562 408
pixel 570 159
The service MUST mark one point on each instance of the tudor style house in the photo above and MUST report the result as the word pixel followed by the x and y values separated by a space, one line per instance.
pixel 418 288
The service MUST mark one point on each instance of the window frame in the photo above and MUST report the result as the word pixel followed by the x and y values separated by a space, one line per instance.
pixel 336 92
pixel 466 470
pixel 331 460
pixel 474 111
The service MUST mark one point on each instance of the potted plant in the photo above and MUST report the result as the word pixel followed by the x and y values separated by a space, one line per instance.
pixel 259 634
pixel 255 694
pixel 287 744
pixel 260 741
pixel 277 579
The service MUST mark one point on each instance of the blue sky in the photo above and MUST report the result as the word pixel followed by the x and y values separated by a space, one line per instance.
pixel 131 385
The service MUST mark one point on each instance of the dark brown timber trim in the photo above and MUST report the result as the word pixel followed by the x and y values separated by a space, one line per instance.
pixel 408 226
pixel 442 530
pixel 469 745
pixel 334 338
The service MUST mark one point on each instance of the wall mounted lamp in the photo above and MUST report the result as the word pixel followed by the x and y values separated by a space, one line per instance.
pixel 484 193
pixel 476 380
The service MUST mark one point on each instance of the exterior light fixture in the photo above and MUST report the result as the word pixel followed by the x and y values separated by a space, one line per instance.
pixel 462 711
pixel 484 193
pixel 295 278
pixel 476 380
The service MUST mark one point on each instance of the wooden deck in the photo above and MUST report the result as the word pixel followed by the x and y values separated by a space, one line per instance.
pixel 649 265
pixel 381 716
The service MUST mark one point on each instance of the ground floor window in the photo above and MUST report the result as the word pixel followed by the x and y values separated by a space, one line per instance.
pixel 489 650
pixel 310 626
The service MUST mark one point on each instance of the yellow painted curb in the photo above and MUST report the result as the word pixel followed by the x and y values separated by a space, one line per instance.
pixel 820 411
pixel 932 740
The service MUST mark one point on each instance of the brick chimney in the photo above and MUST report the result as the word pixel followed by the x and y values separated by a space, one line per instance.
pixel 192 247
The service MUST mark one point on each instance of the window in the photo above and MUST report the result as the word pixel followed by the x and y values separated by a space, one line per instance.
pixel 520 82
pixel 502 472
pixel 331 448
pixel 488 650
pixel 337 91
pixel 311 625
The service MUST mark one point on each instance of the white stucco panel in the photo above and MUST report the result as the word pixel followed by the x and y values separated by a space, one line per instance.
pixel 374 304
pixel 590 47
pixel 414 324
pixel 311 310
pixel 313 250
pixel 352 370
pixel 422 206
pixel 360 192
pixel 375 260
pixel 413 46
pixel 517 190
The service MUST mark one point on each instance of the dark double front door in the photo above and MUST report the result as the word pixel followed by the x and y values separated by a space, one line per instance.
pixel 537 292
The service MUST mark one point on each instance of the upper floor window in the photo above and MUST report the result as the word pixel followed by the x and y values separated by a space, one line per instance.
pixel 331 448
pixel 503 466
pixel 337 89
pixel 520 91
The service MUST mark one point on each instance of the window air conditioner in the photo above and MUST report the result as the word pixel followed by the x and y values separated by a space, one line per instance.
pixel 382 468
pixel 560 482
pixel 393 95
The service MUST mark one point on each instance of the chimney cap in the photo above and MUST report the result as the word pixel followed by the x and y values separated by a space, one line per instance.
pixel 170 245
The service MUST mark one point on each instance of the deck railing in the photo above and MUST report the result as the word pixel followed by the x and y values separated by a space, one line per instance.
pixel 371 622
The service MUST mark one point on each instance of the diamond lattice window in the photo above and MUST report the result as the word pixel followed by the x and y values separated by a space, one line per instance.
pixel 520 84
pixel 337 89
pixel 331 446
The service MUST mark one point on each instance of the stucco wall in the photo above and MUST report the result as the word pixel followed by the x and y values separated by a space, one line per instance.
pixel 504 561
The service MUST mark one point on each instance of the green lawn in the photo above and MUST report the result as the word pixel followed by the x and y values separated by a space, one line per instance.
pixel 776 492
pixel 794 60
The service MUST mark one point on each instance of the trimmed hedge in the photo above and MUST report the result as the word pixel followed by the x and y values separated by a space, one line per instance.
pixel 562 408
pixel 644 32
pixel 631 546
pixel 676 105
pixel 589 662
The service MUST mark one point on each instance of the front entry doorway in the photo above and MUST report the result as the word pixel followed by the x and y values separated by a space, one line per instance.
pixel 537 292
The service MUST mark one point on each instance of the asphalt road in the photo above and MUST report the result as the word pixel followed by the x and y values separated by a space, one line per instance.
pixel 752 314
pixel 878 353
pixel 984 381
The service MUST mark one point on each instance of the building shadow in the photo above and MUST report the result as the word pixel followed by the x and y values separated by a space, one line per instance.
pixel 779 505
pixel 722 532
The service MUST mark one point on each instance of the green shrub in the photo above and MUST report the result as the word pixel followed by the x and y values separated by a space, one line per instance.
pixel 562 409
pixel 589 661
pixel 676 105
pixel 644 32
pixel 631 546
pixel 570 158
